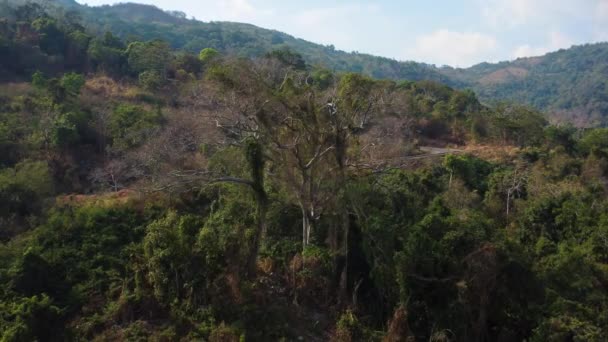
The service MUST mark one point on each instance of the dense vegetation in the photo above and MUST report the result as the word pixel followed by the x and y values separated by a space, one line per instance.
pixel 570 85
pixel 147 193
pixel 131 21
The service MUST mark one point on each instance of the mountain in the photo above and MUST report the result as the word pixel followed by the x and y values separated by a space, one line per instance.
pixel 147 194
pixel 133 21
pixel 570 85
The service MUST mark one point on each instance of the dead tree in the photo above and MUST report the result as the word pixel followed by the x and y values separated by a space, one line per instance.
pixel 514 185
pixel 302 143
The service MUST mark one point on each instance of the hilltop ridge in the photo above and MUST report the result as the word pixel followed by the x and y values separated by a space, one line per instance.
pixel 569 84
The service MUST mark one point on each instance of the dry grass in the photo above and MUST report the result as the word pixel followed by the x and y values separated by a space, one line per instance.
pixel 10 90
pixel 107 87
pixel 504 75
pixel 98 90
pixel 493 153
pixel 398 329
pixel 110 199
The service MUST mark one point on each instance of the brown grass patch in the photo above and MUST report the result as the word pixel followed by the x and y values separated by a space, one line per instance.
pixel 10 90
pixel 100 89
pixel 493 153
pixel 109 199
pixel 504 75
pixel 398 328
pixel 266 265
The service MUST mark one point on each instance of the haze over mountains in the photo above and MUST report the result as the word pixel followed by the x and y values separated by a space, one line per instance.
pixel 570 85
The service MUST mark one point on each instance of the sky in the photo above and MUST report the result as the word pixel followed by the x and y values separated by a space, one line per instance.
pixel 458 33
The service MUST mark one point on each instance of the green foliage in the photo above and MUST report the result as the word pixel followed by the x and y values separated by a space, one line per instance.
pixel 566 83
pixel 208 55
pixel 150 80
pixel 23 190
pixel 323 78
pixel 107 54
pixel 52 38
pixel 31 318
pixel 350 328
pixel 129 124
pixel 288 58
pixel 354 90
pixel 188 63
pixel 72 83
pixel 32 275
pixel 176 268
pixel 561 136
pixel 546 82
pixel 39 81
pixel 152 56
pixel 473 171
pixel 519 125
pixel 470 249
pixel 595 140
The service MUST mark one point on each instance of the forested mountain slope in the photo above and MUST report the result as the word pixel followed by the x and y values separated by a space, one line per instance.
pixel 150 194
pixel 570 85
pixel 144 22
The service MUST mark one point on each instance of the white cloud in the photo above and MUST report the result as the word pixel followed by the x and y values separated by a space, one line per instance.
pixel 237 7
pixel 602 9
pixel 460 49
pixel 508 14
pixel 336 25
pixel 241 10
pixel 488 30
pixel 219 10
pixel 600 23
pixel 555 41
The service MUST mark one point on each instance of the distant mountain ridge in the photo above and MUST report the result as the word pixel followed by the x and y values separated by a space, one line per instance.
pixel 571 85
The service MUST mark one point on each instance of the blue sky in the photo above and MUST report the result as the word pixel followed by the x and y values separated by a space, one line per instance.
pixel 457 33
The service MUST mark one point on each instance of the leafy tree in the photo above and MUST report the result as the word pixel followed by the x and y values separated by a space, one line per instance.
pixel 471 170
pixel 172 258
pixel 288 57
pixel 595 140
pixel 188 63
pixel 24 187
pixel 519 125
pixel 150 80
pixel 561 136
pixel 129 124
pixel 207 55
pixel 33 318
pixel 107 54
pixel 152 56
pixel 72 83
pixel 52 38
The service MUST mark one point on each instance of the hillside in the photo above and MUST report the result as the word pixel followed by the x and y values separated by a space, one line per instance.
pixel 144 22
pixel 570 85
pixel 147 194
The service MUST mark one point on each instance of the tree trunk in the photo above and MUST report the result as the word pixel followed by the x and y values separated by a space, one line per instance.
pixel 508 201
pixel 306 227
pixel 343 286
pixel 343 296
pixel 255 158
pixel 262 209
